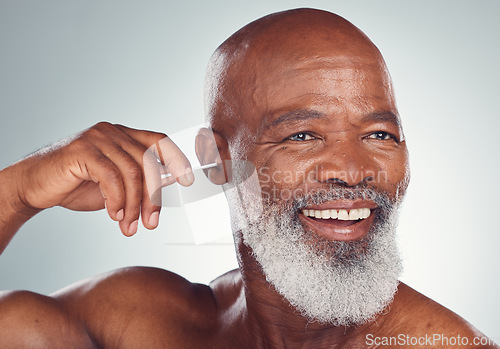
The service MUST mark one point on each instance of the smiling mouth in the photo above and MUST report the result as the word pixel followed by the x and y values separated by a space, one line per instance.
pixel 342 215
pixel 342 224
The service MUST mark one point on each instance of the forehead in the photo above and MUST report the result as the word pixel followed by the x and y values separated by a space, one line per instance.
pixel 328 83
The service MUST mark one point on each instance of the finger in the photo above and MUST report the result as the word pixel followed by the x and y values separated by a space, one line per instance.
pixel 146 138
pixel 132 178
pixel 162 158
pixel 122 144
pixel 150 212
pixel 175 162
pixel 151 180
pixel 106 174
pixel 161 151
pixel 151 198
pixel 168 152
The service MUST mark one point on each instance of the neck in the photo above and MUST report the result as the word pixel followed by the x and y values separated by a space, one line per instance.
pixel 273 322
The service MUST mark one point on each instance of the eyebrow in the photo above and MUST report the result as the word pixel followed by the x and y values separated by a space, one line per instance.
pixel 296 115
pixel 383 117
pixel 307 114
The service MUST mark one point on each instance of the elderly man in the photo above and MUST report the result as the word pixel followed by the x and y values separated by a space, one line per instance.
pixel 304 97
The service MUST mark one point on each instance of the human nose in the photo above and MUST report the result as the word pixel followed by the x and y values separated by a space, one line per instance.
pixel 344 162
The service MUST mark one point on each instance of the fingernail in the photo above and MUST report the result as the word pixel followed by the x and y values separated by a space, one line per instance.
pixel 133 227
pixel 119 215
pixel 188 177
pixel 154 219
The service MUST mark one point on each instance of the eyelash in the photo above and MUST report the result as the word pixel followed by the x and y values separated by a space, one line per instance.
pixel 384 136
pixel 306 134
pixel 379 135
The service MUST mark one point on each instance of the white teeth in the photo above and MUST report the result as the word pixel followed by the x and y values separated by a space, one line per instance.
pixel 359 213
pixel 354 214
pixel 334 214
pixel 342 214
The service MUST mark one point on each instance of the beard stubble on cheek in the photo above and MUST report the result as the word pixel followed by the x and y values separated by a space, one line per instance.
pixel 334 282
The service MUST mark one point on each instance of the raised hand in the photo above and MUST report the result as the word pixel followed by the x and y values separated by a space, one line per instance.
pixel 104 166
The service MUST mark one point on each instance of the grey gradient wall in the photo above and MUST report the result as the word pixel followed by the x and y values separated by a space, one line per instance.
pixel 65 65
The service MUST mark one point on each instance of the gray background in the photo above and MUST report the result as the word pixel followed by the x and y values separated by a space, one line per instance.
pixel 65 65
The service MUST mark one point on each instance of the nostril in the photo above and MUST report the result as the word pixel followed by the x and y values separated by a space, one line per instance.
pixel 337 181
pixel 368 179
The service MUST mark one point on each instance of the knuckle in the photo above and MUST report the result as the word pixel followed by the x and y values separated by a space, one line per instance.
pixel 101 158
pixel 91 133
pixel 80 145
pixel 157 137
pixel 135 173
pixel 102 125
pixel 113 175
pixel 99 130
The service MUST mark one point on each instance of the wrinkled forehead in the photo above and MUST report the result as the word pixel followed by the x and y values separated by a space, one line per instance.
pixel 296 62
pixel 329 82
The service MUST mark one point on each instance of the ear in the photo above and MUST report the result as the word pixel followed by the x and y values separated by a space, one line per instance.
pixel 211 147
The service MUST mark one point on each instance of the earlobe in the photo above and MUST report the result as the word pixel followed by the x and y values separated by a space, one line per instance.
pixel 211 147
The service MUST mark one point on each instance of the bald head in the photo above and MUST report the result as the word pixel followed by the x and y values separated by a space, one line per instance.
pixel 252 66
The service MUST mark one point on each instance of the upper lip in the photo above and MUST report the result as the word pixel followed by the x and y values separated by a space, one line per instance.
pixel 343 205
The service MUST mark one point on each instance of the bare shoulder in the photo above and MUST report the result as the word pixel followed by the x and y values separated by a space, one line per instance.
pixel 418 316
pixel 30 320
pixel 135 307
pixel 145 285
pixel 139 305
pixel 424 313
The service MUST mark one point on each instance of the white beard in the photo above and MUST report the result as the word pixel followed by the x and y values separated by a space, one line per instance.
pixel 331 282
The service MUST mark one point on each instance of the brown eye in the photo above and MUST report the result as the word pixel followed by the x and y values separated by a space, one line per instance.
pixel 381 136
pixel 301 136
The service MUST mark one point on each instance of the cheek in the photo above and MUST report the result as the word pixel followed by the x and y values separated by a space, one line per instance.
pixel 393 173
pixel 284 176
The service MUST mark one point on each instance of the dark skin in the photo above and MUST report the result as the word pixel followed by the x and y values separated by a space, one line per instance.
pixel 305 106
